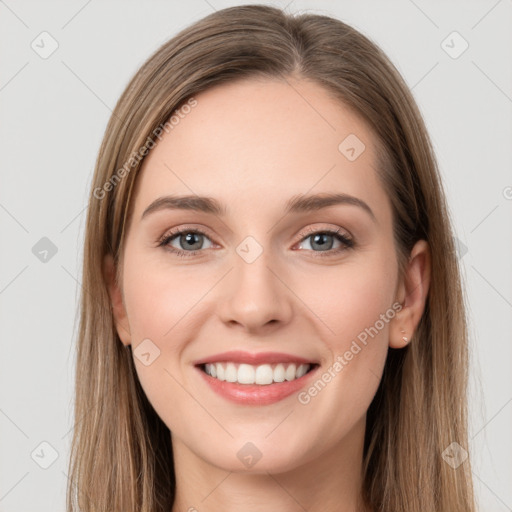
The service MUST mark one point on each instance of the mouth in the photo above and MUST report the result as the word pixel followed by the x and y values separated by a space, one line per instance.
pixel 255 379
pixel 260 375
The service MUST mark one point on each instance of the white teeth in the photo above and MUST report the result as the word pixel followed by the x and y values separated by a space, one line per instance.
pixel 246 374
pixel 290 372
pixel 219 369
pixel 231 373
pixel 262 375
pixel 279 373
pixel 302 370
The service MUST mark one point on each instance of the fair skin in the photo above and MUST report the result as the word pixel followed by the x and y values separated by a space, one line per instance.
pixel 253 145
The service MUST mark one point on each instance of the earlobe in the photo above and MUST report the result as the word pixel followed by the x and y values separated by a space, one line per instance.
pixel 116 299
pixel 412 295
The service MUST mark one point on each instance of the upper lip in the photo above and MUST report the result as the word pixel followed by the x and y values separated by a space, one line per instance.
pixel 239 356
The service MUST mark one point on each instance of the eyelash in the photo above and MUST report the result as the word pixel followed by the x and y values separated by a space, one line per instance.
pixel 347 242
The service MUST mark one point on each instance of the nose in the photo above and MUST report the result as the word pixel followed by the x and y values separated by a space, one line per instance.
pixel 255 296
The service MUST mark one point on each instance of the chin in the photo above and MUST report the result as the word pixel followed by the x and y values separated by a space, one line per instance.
pixel 242 456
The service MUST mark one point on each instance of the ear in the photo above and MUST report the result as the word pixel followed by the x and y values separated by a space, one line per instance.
pixel 412 294
pixel 116 299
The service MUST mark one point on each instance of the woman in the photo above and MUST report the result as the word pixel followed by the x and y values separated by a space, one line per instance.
pixel 272 316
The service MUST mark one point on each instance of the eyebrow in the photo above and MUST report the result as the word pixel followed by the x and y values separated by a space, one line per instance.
pixel 296 204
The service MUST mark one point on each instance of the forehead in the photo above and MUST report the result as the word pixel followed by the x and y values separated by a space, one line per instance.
pixel 260 140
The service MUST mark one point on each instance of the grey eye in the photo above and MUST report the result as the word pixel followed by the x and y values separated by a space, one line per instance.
pixel 320 241
pixel 189 240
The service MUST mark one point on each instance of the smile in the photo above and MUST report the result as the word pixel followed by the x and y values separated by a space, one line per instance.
pixel 261 375
pixel 255 379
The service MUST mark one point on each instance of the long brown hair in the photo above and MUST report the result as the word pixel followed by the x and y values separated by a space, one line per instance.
pixel 121 456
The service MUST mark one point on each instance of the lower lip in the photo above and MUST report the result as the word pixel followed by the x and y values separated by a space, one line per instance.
pixel 254 394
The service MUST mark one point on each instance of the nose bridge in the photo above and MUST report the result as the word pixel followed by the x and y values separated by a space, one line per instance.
pixel 254 295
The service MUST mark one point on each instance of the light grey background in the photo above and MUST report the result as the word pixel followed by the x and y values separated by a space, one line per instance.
pixel 53 112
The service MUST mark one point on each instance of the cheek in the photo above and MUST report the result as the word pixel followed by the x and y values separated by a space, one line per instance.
pixel 160 300
pixel 352 298
pixel 160 304
pixel 356 311
pixel 160 308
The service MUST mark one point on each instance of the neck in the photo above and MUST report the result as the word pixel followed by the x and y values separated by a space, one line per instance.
pixel 330 482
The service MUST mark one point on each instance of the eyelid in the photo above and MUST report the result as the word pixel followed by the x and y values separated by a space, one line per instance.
pixel 315 229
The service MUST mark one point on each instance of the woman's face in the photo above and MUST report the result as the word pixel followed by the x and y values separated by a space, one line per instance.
pixel 314 283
